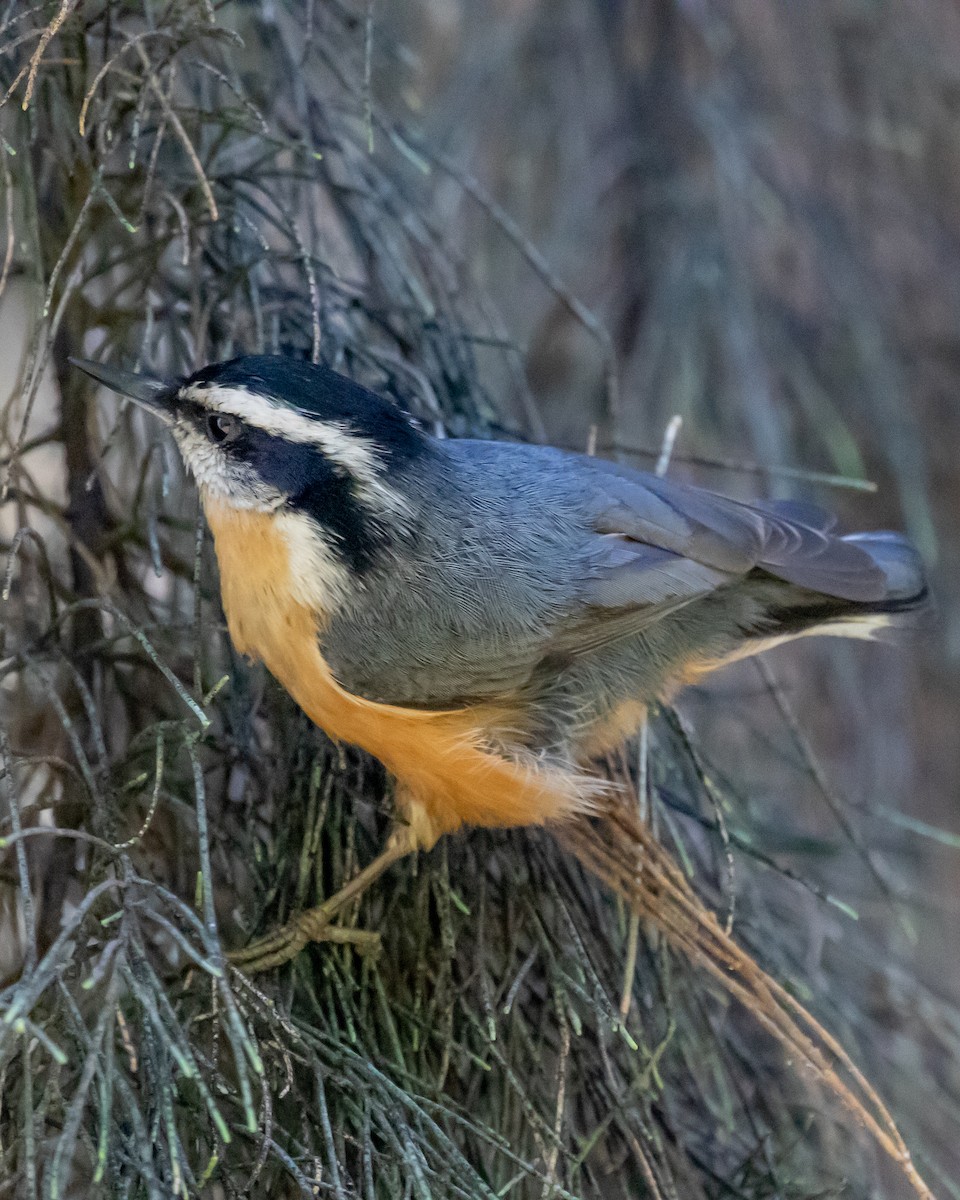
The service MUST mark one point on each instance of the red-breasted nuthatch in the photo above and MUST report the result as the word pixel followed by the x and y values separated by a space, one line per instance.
pixel 484 617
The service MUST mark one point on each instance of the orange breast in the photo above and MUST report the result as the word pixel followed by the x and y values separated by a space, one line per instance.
pixel 447 770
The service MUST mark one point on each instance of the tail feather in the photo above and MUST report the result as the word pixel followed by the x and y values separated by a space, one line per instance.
pixel 900 563
pixel 903 603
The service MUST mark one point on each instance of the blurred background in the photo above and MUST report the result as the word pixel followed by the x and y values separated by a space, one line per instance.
pixel 760 204
pixel 568 221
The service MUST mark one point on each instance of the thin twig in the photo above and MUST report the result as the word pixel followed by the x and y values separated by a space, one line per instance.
pixel 185 141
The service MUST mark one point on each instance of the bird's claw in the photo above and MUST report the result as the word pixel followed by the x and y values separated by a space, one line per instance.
pixel 286 943
pixel 314 925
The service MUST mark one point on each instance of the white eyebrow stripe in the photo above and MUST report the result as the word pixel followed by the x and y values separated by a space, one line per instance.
pixel 355 453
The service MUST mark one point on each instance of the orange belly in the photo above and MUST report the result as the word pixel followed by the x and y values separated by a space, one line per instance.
pixel 447 771
pixel 612 730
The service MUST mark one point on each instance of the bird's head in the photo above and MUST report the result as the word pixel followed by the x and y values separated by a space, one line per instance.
pixel 274 434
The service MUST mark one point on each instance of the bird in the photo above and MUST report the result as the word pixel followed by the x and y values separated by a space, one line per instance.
pixel 487 618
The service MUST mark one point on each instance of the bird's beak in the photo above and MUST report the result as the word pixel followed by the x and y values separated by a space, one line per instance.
pixel 148 391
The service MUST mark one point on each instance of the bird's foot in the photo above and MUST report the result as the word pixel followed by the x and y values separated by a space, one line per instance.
pixel 313 925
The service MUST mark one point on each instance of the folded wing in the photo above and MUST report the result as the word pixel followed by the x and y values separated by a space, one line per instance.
pixel 789 539
pixel 660 545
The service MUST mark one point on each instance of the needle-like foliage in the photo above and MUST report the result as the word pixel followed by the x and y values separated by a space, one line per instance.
pixel 186 180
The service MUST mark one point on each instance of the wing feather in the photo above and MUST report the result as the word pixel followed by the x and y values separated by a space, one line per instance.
pixel 791 540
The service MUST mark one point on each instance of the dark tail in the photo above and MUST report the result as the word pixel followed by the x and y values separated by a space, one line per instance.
pixel 900 563
pixel 902 606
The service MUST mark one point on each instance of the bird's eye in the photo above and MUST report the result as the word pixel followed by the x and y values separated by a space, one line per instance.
pixel 222 427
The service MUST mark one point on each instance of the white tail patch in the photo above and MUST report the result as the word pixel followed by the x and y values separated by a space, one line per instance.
pixel 866 627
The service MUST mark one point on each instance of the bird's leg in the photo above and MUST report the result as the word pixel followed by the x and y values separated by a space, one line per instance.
pixel 313 925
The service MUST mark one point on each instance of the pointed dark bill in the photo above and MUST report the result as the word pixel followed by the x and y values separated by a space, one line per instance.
pixel 146 390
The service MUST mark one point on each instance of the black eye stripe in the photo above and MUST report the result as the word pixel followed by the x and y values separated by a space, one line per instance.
pixel 223 427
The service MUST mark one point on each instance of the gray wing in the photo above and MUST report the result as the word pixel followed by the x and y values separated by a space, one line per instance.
pixel 527 553
pixel 788 539
pixel 660 545
pixel 630 586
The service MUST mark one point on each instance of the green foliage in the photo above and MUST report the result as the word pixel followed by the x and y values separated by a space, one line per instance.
pixel 181 182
